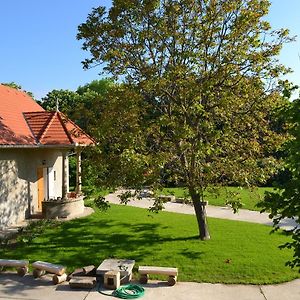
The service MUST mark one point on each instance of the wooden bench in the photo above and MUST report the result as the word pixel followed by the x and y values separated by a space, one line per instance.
pixel 144 271
pixel 82 282
pixel 166 198
pixel 41 267
pixel 84 271
pixel 20 265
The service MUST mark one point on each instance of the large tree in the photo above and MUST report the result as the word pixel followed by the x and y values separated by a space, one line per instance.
pixel 198 91
pixel 284 202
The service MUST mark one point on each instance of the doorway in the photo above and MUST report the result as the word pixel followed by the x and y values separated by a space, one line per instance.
pixel 41 187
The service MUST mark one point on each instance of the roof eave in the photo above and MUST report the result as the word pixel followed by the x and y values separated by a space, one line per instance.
pixel 39 146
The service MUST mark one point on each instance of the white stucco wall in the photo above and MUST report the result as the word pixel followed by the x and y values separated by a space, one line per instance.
pixel 18 181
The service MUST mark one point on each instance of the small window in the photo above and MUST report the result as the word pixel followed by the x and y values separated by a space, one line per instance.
pixel 54 175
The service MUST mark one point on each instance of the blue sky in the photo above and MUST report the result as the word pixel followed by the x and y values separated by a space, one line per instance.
pixel 39 49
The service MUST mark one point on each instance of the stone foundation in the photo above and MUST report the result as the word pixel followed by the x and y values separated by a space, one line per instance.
pixel 62 208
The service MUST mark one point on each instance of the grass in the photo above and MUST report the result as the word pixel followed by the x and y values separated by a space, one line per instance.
pixel 249 197
pixel 238 252
pixel 96 192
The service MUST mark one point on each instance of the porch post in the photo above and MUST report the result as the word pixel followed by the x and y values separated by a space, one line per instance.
pixel 65 175
pixel 78 171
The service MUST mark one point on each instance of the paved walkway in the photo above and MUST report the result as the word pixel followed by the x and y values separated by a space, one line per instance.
pixel 212 211
pixel 28 288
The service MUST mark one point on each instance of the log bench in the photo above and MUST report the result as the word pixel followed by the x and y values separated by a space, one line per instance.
pixel 144 271
pixel 83 278
pixel 20 265
pixel 89 271
pixel 41 267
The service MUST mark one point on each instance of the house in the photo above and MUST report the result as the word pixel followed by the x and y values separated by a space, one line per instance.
pixel 34 149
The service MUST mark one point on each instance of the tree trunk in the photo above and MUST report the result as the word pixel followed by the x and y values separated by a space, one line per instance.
pixel 200 212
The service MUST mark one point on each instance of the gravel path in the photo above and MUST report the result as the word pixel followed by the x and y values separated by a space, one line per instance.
pixel 212 211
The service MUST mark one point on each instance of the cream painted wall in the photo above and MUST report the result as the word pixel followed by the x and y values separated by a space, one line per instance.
pixel 18 181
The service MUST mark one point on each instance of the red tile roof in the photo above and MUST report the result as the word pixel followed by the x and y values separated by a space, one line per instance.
pixel 24 122
pixel 75 132
pixel 13 127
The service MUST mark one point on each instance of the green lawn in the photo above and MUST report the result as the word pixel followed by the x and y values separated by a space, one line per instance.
pixel 248 197
pixel 238 252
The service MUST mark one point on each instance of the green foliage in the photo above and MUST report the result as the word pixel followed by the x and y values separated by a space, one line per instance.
pixel 101 203
pixel 239 252
pixel 284 203
pixel 92 99
pixel 13 85
pixel 194 93
pixel 83 106
pixel 98 86
pixel 64 100
pixel 72 170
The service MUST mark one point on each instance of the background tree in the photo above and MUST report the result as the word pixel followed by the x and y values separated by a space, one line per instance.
pixel 64 100
pixel 92 99
pixel 198 90
pixel 285 202
pixel 82 106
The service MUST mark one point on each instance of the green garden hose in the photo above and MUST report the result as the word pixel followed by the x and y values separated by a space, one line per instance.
pixel 130 291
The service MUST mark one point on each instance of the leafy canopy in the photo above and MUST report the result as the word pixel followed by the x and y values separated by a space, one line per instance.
pixel 285 202
pixel 198 92
pixel 198 73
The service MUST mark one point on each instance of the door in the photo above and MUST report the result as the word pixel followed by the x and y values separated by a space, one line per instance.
pixel 53 187
pixel 40 182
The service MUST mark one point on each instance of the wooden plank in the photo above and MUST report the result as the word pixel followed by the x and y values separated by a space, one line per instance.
pixel 124 266
pixel 89 269
pixel 13 263
pixel 84 282
pixel 85 271
pixel 77 272
pixel 51 268
pixel 158 270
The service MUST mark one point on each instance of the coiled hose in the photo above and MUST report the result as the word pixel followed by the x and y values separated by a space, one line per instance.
pixel 130 291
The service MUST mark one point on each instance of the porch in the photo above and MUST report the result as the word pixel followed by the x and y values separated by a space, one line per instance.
pixel 55 202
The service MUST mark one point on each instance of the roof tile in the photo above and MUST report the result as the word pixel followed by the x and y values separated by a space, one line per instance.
pixel 24 122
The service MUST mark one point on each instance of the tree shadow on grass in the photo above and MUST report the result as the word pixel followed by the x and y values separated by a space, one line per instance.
pixel 191 254
pixel 88 241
